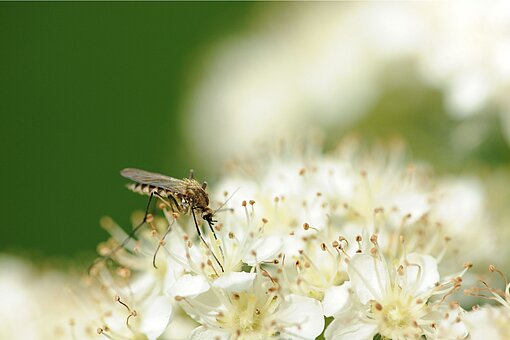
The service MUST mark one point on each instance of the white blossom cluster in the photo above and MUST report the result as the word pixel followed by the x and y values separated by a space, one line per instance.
pixel 345 245
pixel 340 246
pixel 326 64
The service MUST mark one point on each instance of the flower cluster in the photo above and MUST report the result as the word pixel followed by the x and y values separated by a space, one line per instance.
pixel 328 64
pixel 342 245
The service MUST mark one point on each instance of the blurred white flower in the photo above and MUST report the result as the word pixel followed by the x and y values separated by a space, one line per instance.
pixel 490 322
pixel 24 291
pixel 321 64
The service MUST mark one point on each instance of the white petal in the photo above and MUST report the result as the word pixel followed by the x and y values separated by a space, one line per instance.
pixel 189 286
pixel 487 322
pixel 141 285
pixel 305 314
pixel 349 327
pixel 156 317
pixel 235 281
pixel 369 277
pixel 203 333
pixel 422 274
pixel 409 202
pixel 336 299
pixel 265 249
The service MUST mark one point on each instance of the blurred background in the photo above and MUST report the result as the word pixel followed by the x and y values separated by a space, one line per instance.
pixel 90 88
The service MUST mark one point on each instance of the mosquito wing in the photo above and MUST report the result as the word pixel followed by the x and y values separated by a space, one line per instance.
pixel 152 178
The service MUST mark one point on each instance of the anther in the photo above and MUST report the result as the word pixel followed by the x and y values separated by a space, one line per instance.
pixel 124 272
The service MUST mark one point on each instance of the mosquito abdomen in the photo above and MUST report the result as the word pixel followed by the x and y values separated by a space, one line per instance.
pixel 146 189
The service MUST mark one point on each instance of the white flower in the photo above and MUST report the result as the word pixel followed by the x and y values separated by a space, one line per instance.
pixel 391 297
pixel 488 322
pixel 130 306
pixel 251 308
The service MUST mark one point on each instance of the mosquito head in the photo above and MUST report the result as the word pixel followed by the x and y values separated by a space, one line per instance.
pixel 208 215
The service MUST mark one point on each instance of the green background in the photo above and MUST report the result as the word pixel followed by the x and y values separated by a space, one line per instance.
pixel 88 89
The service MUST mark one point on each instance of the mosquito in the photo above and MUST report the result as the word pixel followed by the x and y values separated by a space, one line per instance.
pixel 184 196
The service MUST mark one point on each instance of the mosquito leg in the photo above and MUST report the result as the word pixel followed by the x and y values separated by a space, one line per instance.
pixel 161 242
pixel 166 232
pixel 131 234
pixel 202 238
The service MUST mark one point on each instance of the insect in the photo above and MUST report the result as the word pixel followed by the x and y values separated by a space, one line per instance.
pixel 184 196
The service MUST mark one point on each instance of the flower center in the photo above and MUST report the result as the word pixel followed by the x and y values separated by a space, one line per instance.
pixel 398 314
pixel 244 316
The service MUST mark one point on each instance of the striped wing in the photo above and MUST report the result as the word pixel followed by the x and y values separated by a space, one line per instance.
pixel 152 178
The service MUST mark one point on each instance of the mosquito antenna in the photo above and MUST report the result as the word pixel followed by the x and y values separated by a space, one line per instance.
pixel 226 201
pixel 210 221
